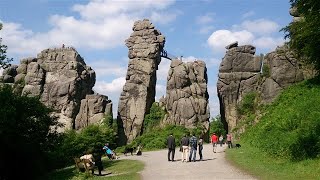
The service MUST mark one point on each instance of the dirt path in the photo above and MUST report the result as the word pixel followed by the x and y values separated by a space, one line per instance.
pixel 214 166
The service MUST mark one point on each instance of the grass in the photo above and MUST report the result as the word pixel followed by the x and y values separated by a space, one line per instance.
pixel 264 166
pixel 115 170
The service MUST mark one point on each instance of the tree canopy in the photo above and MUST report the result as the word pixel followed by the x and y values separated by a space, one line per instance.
pixel 304 34
pixel 26 135
pixel 4 61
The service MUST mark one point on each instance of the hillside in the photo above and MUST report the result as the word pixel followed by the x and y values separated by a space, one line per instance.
pixel 290 126
pixel 285 143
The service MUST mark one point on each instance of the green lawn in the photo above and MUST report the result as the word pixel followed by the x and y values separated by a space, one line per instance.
pixel 113 170
pixel 263 166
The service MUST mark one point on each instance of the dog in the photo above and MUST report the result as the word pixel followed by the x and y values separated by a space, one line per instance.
pixel 128 150
pixel 238 146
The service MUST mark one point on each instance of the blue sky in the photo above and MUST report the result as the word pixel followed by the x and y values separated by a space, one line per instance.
pixel 98 28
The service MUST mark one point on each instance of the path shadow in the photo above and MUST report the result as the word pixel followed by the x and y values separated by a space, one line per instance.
pixel 207 159
pixel 103 174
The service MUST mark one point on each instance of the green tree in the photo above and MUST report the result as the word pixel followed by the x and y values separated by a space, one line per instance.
pixel 4 61
pixel 26 135
pixel 216 126
pixel 304 34
pixel 74 144
pixel 152 119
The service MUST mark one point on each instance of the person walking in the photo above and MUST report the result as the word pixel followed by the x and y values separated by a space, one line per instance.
pixel 200 145
pixel 214 140
pixel 171 147
pixel 229 140
pixel 221 140
pixel 185 148
pixel 193 148
pixel 97 159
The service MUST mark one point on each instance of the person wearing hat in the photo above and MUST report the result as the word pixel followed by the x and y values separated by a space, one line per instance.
pixel 214 141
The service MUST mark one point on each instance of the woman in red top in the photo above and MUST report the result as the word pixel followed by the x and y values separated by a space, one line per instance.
pixel 214 141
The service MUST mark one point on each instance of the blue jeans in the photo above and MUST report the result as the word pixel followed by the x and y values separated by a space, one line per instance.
pixel 193 151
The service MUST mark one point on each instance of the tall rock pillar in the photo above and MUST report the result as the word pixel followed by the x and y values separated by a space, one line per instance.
pixel 145 45
pixel 239 74
pixel 187 98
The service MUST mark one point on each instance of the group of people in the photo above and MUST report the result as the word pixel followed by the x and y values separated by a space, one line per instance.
pixel 193 144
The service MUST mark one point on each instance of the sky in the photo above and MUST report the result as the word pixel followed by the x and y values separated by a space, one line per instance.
pixel 194 29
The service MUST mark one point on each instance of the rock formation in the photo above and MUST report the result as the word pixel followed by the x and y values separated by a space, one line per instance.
pixel 241 72
pixel 186 100
pixel 93 108
pixel 145 45
pixel 238 74
pixel 63 82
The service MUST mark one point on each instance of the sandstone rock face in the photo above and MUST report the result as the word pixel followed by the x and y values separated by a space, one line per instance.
pixel 9 74
pixel 238 74
pixel 186 100
pixel 241 72
pixel 62 79
pixel 92 110
pixel 284 70
pixel 145 45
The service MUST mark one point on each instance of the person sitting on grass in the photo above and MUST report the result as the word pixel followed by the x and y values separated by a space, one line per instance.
pixel 90 163
pixel 111 155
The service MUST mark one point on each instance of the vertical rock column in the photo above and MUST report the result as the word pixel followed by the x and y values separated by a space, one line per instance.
pixel 186 100
pixel 239 74
pixel 145 45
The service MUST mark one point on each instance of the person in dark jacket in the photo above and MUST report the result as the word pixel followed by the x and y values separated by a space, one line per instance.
pixel 193 143
pixel 97 159
pixel 171 147
pixel 185 148
pixel 200 145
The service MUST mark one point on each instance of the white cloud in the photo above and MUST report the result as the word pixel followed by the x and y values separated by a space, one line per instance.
pixel 102 24
pixel 221 38
pixel 163 68
pixel 248 14
pixel 257 33
pixel 109 88
pixel 105 68
pixel 213 62
pixel 164 17
pixel 112 90
pixel 98 9
pixel 260 26
pixel 206 29
pixel 268 42
pixel 204 22
pixel 160 91
pixel 190 59
pixel 20 40
pixel 205 19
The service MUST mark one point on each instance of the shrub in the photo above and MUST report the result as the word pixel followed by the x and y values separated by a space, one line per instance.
pixel 216 126
pixel 153 119
pixel 157 139
pixel 74 144
pixel 266 70
pixel 247 104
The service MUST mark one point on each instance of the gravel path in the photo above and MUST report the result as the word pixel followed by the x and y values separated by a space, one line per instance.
pixel 214 166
